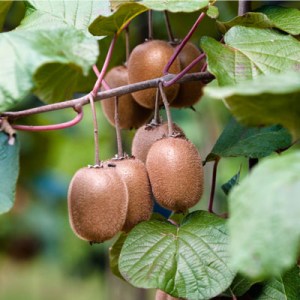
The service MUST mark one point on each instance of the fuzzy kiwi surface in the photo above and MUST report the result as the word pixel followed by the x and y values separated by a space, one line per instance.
pixel 140 205
pixel 97 203
pixel 131 114
pixel 146 135
pixel 176 174
pixel 189 92
pixel 161 295
pixel 146 62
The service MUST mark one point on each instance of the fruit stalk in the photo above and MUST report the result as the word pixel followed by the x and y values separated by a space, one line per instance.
pixel 150 25
pixel 244 7
pixel 183 42
pixel 167 108
pixel 168 27
pixel 95 123
pixel 118 130
pixel 213 186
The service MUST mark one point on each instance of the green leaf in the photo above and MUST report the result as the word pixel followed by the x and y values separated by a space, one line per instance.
pixel 189 261
pixel 62 13
pixel 212 12
pixel 250 52
pixel 4 8
pixel 271 99
pixel 286 287
pixel 22 53
pixel 238 140
pixel 114 254
pixel 175 5
pixel 9 171
pixel 283 18
pixel 226 187
pixel 239 286
pixel 264 222
pixel 109 25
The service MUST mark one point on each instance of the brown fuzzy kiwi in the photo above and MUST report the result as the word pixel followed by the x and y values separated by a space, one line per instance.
pixel 160 295
pixel 140 205
pixel 146 62
pixel 176 174
pixel 189 92
pixel 97 203
pixel 146 135
pixel 131 114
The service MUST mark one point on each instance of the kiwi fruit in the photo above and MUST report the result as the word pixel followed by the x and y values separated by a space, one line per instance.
pixel 189 92
pixel 161 295
pixel 146 135
pixel 140 205
pixel 97 203
pixel 176 174
pixel 147 61
pixel 131 114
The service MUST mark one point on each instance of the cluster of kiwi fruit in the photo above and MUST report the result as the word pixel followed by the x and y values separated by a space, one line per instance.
pixel 117 195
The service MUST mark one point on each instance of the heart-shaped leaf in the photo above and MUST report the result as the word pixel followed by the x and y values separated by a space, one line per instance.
pixel 189 261
pixel 264 221
pixel 250 52
pixel 9 171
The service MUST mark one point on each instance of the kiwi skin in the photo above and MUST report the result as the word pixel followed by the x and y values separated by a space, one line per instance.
pixel 146 62
pixel 97 203
pixel 146 135
pixel 160 295
pixel 133 172
pixel 176 174
pixel 189 92
pixel 131 114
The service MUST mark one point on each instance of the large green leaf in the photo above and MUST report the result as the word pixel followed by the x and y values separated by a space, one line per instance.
pixel 270 99
pixel 189 261
pixel 250 52
pixel 237 140
pixel 286 287
pixel 22 53
pixel 4 8
pixel 9 171
pixel 62 13
pixel 108 25
pixel 283 18
pixel 170 5
pixel 264 219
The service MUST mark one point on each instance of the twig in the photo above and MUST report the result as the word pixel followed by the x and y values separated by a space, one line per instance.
pixel 213 186
pixel 244 7
pixel 130 88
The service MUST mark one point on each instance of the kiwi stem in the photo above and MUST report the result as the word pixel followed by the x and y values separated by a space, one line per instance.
pixel 213 186
pixel 168 26
pixel 167 108
pixel 96 139
pixel 244 7
pixel 183 42
pixel 118 130
pixel 185 70
pixel 105 66
pixel 156 118
pixel 150 25
pixel 127 42
pixel 81 101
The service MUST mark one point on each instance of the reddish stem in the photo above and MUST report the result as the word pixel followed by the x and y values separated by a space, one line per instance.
pixel 104 83
pixel 213 186
pixel 64 125
pixel 182 44
pixel 105 66
pixel 185 70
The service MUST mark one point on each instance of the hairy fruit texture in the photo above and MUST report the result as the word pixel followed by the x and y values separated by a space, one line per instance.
pixel 140 205
pixel 146 62
pixel 160 295
pixel 97 203
pixel 131 114
pixel 189 92
pixel 146 135
pixel 176 173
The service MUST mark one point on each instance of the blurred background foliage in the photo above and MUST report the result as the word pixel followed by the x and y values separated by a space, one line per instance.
pixel 40 257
